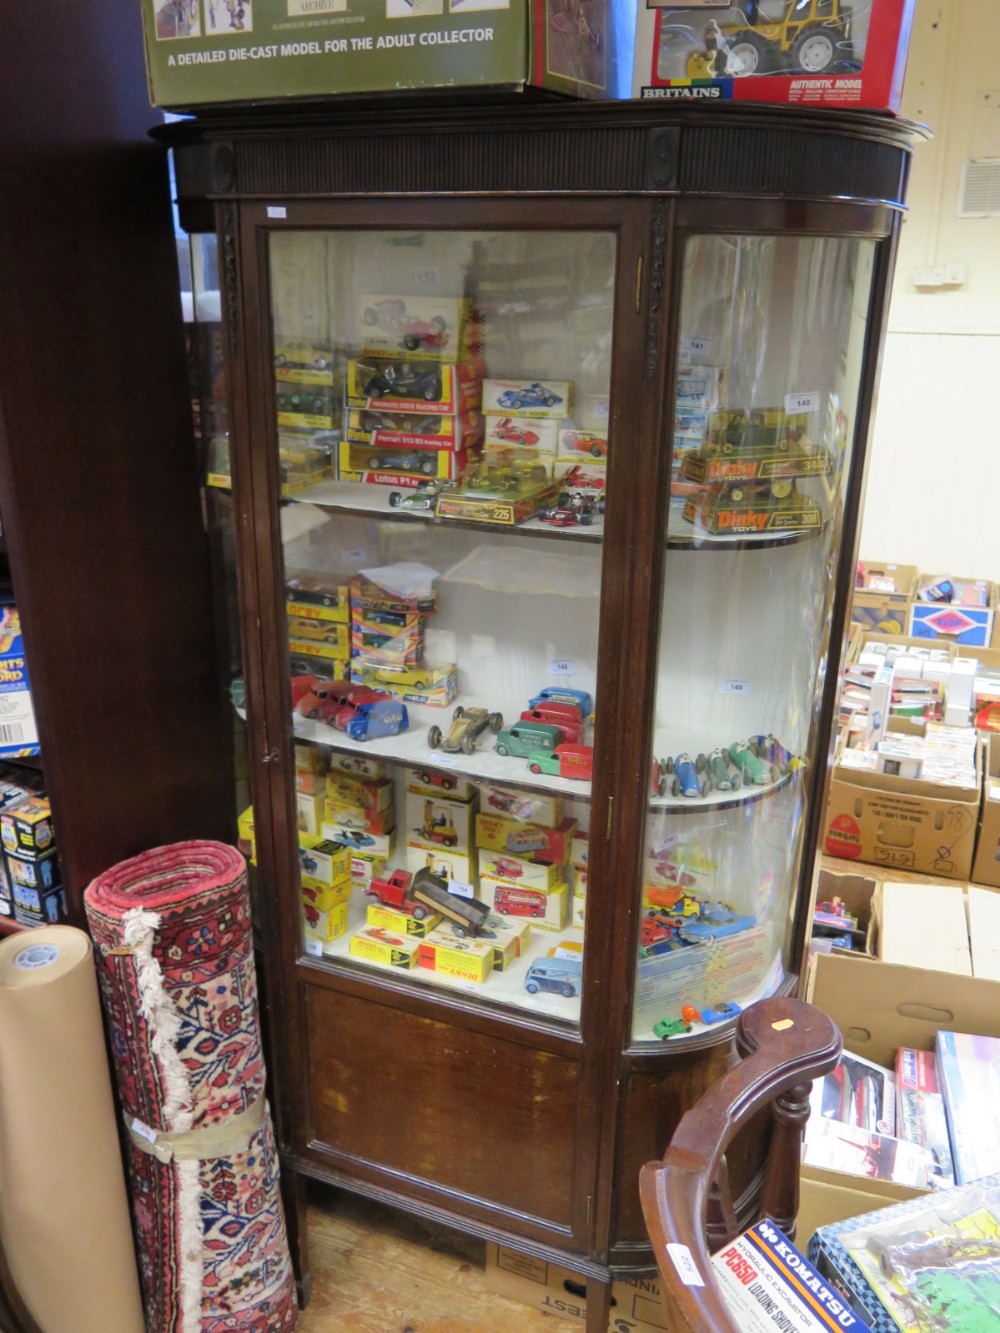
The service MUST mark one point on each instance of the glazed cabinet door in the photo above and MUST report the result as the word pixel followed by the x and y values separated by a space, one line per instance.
pixel 432 473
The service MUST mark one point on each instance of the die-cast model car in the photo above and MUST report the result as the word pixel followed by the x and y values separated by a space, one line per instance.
pixel 423 499
pixel 687 779
pixel 563 694
pixel 390 315
pixel 568 761
pixel 412 462
pixel 585 441
pixel 754 769
pixel 466 726
pixel 530 395
pixel 508 429
pixel 405 381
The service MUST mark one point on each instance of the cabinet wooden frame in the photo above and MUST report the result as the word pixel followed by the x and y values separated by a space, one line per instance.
pixel 654 176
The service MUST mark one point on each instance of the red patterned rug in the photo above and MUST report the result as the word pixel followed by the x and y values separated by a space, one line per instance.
pixel 175 958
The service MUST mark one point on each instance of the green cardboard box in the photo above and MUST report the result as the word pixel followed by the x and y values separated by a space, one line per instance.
pixel 200 52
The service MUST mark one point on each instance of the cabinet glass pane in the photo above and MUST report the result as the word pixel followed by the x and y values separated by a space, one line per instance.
pixel 770 358
pixel 441 403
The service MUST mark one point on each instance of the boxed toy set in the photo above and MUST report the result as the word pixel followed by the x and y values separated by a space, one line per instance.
pixel 201 52
pixel 826 53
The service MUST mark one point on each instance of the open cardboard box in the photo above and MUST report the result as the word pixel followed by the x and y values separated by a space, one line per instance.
pixel 961 624
pixel 636 1307
pixel 986 867
pixel 903 823
pixel 879 1007
pixel 878 608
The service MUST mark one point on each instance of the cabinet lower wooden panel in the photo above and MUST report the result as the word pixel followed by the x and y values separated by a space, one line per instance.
pixel 652 1108
pixel 462 1110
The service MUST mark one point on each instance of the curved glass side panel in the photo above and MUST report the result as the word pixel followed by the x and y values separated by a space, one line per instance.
pixel 772 336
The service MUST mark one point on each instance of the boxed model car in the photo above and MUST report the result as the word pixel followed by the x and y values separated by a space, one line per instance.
pixel 528 398
pixel 431 327
pixel 404 468
pixel 424 387
pixel 378 945
pixel 808 52
pixel 439 823
pixel 413 430
pixel 266 50
pixel 469 959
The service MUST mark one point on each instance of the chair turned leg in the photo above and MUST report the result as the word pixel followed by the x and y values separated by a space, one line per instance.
pixel 780 1195
pixel 293 1197
pixel 598 1304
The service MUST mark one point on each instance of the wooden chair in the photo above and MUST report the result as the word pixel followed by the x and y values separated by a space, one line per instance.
pixel 785 1044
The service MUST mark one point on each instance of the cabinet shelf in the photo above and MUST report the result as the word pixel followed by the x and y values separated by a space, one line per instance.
pixel 504 989
pixel 370 500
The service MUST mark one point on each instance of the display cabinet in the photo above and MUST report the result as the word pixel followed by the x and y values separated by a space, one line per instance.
pixel 548 437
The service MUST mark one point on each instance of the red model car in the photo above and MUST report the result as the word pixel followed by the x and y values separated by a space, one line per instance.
pixel 502 865
pixel 301 686
pixel 585 441
pixel 564 716
pixel 508 429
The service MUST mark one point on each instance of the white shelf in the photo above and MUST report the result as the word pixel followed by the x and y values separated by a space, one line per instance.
pixel 368 498
pixel 506 988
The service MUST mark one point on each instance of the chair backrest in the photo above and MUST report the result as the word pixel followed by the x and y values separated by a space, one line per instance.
pixel 785 1044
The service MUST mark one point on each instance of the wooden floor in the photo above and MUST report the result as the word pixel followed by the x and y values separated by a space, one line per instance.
pixel 378 1271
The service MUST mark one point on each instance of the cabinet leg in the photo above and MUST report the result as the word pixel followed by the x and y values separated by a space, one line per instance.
pixel 598 1304
pixel 293 1197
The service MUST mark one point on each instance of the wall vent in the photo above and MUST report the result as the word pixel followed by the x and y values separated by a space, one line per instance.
pixel 979 192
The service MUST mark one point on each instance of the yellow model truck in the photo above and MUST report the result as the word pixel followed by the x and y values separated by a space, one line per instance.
pixel 810 36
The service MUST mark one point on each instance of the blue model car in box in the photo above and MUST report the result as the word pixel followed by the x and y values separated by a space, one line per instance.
pixel 531 395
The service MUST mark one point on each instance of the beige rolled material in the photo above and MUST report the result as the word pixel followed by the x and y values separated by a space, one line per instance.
pixel 64 1215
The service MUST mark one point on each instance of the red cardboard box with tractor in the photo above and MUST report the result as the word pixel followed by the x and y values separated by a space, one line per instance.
pixel 839 53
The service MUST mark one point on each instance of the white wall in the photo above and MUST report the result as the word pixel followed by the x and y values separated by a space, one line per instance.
pixel 935 467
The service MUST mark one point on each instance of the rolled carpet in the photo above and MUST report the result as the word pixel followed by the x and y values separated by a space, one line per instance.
pixel 172 935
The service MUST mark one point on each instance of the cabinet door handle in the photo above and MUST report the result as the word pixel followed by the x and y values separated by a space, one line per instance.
pixel 638 286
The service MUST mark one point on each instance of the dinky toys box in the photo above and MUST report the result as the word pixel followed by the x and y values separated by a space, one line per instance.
pixel 505 430
pixel 439 782
pixel 402 923
pixel 430 327
pixel 498 833
pixel 379 945
pixel 796 52
pixel 545 910
pixel 439 823
pixel 414 430
pixel 403 468
pixel 324 924
pixel 414 386
pixel 468 959
pixel 324 864
pixel 266 50
pixel 754 507
pixel 455 867
pixel 529 399
pixel 517 871
pixel 528 807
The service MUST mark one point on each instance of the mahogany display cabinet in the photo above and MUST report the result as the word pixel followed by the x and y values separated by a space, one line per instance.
pixel 562 708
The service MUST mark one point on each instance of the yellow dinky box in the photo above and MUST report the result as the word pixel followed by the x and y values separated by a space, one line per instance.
pixel 245 833
pixel 325 864
pixel 401 922
pixel 343 816
pixel 310 809
pixel 379 945
pixel 546 876
pixel 323 897
pixel 470 959
pixel 312 758
pixel 545 911
pixel 510 942
pixel 324 925
pixel 365 864
pixel 359 791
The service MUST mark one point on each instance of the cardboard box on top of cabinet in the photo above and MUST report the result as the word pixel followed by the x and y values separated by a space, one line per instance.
pixel 837 53
pixel 200 52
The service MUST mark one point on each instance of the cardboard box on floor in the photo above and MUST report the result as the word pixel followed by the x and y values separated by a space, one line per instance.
pixel 921 925
pixel 637 1307
pixel 902 823
pixel 986 867
pixel 877 608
